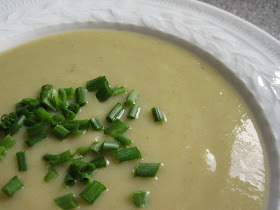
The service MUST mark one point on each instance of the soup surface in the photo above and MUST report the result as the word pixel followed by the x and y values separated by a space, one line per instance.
pixel 209 147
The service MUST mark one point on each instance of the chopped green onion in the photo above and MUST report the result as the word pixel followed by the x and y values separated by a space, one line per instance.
pixel 69 181
pixel 158 114
pixel 69 92
pixel 139 199
pixel 96 83
pixel 115 128
pixel 132 96
pixel 134 111
pixel 30 121
pixel 74 108
pixel 110 145
pixel 81 96
pixel 3 152
pixel 60 99
pixel 21 120
pixel 118 90
pixel 70 115
pixel 48 103
pixel 147 169
pixel 66 201
pixel 58 159
pixel 42 115
pixel 126 154
pixel 104 93
pixel 96 124
pixel 77 126
pixel 123 140
pixel 62 94
pixel 46 87
pixel 13 186
pixel 60 132
pixel 52 174
pixel 35 130
pixel 57 119
pixel 93 191
pixel 13 129
pixel 82 151
pixel 7 142
pixel 22 163
pixel 115 113
pixel 78 168
pixel 85 179
pixel 99 162
pixel 96 147
pixel 36 139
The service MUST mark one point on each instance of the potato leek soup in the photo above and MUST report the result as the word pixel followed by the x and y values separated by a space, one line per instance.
pixel 209 149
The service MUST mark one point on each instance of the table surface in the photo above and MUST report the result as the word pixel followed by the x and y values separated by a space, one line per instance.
pixel 264 14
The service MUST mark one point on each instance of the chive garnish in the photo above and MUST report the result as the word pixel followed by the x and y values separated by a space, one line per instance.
pixel 96 124
pixel 35 130
pixel 30 121
pixel 57 119
pixel 104 93
pixel 158 114
pixel 46 87
pixel 60 99
pixel 139 199
pixel 118 90
pixel 69 180
pixel 96 83
pixel 3 152
pixel 22 163
pixel 36 139
pixel 99 162
pixel 96 147
pixel 13 186
pixel 42 115
pixel 52 174
pixel 132 96
pixel 123 140
pixel 115 128
pixel 115 113
pixel 60 132
pixel 85 179
pixel 126 154
pixel 110 145
pixel 81 96
pixel 66 201
pixel 78 168
pixel 69 92
pixel 74 108
pixel 147 169
pixel 77 126
pixel 58 159
pixel 70 115
pixel 93 191
pixel 7 142
pixel 134 111
pixel 82 151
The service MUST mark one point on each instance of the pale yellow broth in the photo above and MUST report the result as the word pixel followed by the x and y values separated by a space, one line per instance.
pixel 211 152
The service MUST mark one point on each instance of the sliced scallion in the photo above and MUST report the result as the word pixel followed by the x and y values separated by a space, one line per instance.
pixel 139 199
pixel 22 162
pixel 115 128
pixel 69 180
pixel 58 159
pixel 35 130
pixel 81 96
pixel 60 132
pixel 7 142
pixel 96 83
pixel 115 113
pixel 123 140
pixel 42 115
pixel 78 168
pixel 131 98
pixel 99 162
pixel 74 108
pixel 66 201
pixel 85 179
pixel 36 139
pixel 104 93
pixel 12 186
pixel 69 92
pixel 96 124
pixel 126 154
pixel 118 90
pixel 158 114
pixel 134 111
pixel 147 169
pixel 52 174
pixel 3 152
pixel 93 191
pixel 77 126
pixel 57 119
pixel 110 145
pixel 96 147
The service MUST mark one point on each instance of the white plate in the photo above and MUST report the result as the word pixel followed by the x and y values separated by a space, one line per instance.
pixel 249 57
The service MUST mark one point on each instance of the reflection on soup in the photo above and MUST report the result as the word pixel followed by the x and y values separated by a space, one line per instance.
pixel 211 152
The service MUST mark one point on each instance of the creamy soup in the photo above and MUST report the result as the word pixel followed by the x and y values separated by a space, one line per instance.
pixel 210 150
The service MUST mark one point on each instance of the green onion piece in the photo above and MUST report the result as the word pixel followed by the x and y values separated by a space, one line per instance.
pixel 27 106
pixel 93 191
pixel 52 174
pixel 62 95
pixel 3 152
pixel 85 179
pixel 21 120
pixel 126 154
pixel 36 139
pixel 13 129
pixel 147 169
pixel 96 147
pixel 82 151
pixel 96 124
pixel 132 96
pixel 96 83
pixel 57 119
pixel 79 168
pixel 35 130
pixel 115 113
pixel 134 111
pixel 74 108
pixel 110 145
pixel 46 87
pixel 49 103
pixel 30 122
pixel 66 201
pixel 69 181
pixel 104 93
pixel 69 92
pixel 118 90
pixel 158 114
pixel 81 96
pixel 99 162
pixel 70 115
pixel 58 159
pixel 60 132
pixel 22 163
pixel 77 126
pixel 123 140
pixel 42 115
pixel 60 99
pixel 13 186
pixel 7 142
pixel 115 128
pixel 139 199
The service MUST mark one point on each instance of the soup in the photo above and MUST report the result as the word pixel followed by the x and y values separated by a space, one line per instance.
pixel 210 150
